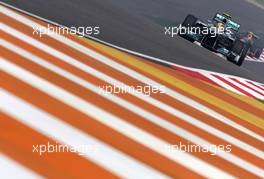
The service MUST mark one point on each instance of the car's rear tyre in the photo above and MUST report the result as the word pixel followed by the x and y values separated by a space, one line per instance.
pixel 189 21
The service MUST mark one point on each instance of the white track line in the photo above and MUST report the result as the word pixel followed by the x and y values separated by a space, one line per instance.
pixel 149 116
pixel 103 155
pixel 136 134
pixel 13 170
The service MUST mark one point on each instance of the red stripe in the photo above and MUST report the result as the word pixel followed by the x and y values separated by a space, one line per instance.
pixel 247 86
pixel 232 85
pixel 258 86
pixel 194 74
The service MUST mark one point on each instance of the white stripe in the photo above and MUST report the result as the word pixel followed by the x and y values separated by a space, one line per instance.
pixel 259 60
pixel 244 88
pixel 146 139
pixel 250 59
pixel 221 83
pixel 149 116
pixel 102 154
pixel 259 85
pixel 250 85
pixel 148 99
pixel 13 170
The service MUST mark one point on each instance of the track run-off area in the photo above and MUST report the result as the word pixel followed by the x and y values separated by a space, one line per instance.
pixel 52 90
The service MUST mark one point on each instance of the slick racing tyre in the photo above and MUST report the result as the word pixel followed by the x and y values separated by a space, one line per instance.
pixel 189 21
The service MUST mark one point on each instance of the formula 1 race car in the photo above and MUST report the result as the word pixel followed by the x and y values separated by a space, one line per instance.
pixel 218 35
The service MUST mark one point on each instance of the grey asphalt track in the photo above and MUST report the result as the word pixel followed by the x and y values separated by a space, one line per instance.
pixel 139 25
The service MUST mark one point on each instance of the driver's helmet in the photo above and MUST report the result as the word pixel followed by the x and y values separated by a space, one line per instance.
pixel 221 24
pixel 250 35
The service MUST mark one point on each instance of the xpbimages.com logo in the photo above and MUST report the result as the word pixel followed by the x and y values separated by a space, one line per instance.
pixel 57 148
pixel 182 30
pixel 145 90
pixel 194 148
pixel 80 31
